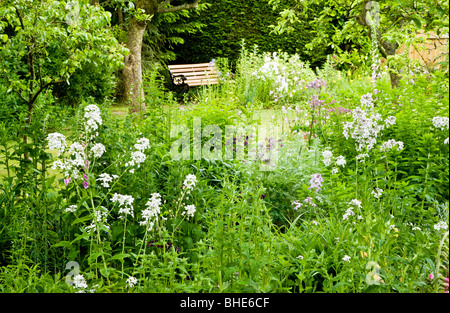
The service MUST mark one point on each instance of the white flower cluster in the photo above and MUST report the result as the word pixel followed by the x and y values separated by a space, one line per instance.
pixel 71 208
pixel 442 123
pixel 125 204
pixel 339 161
pixel 98 149
pixel 131 282
pixel 93 118
pixel 138 157
pixel 99 221
pixel 77 151
pixel 362 157
pixel 377 193
pixel 151 212
pixel 189 182
pixel 364 128
pixel 190 210
pixel 105 179
pixel 349 212
pixel 284 73
pixel 327 155
pixel 441 226
pixel 80 282
pixel 57 141
pixel 390 144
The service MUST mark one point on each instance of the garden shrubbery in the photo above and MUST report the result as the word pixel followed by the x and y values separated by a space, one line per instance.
pixel 348 194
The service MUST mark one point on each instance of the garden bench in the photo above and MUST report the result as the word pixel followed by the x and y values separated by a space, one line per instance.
pixel 192 75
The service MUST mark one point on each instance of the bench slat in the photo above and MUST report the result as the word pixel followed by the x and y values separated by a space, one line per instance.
pixel 191 66
pixel 192 71
pixel 196 74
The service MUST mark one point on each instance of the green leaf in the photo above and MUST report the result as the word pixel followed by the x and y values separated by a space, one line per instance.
pixel 81 219
pixel 105 272
pixel 64 244
pixel 119 256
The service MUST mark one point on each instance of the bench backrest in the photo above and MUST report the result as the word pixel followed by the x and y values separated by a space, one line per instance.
pixel 197 74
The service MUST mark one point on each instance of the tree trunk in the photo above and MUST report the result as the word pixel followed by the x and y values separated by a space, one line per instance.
pixel 133 92
pixel 132 71
pixel 384 47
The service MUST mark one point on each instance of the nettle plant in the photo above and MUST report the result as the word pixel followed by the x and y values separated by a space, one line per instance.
pixel 106 216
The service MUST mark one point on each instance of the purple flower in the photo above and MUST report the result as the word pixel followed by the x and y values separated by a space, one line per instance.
pixel 85 177
pixel 263 197
pixel 316 84
pixel 67 181
pixel 85 185
pixel 316 182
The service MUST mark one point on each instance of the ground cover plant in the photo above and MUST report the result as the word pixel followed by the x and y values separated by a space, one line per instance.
pixel 280 179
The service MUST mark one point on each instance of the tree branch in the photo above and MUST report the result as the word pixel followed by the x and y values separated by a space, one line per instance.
pixel 185 6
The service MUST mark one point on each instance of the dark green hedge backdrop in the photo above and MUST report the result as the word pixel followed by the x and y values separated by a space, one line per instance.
pixel 227 22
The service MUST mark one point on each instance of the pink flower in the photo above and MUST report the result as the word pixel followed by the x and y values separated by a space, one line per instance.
pixel 67 181
pixel 85 185
pixel 431 276
pixel 316 182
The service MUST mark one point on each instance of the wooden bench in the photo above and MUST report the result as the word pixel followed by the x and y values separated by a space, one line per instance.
pixel 192 75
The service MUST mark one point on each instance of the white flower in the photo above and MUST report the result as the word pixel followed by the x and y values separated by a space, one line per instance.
pixel 143 144
pixel 131 282
pixel 125 204
pixel 105 179
pixel 79 282
pixel 377 192
pixel 327 155
pixel 416 228
pixel 137 157
pixel 300 257
pixel 446 141
pixel 93 118
pixel 151 211
pixel 57 141
pixel 360 217
pixel 314 222
pixel 297 204
pixel 389 121
pixel 98 149
pixel 189 182
pixel 364 127
pixel 348 213
pixel 77 150
pixel 334 170
pixel 441 122
pixel 346 258
pixel 190 210
pixel 391 144
pixel 391 227
pixel 340 161
pixel 362 156
pixel 356 203
pixel 367 101
pixel 71 208
pixel 441 225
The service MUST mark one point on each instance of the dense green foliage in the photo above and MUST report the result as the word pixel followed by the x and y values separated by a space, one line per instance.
pixel 340 184
pixel 229 22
